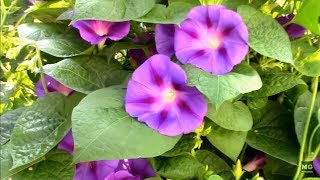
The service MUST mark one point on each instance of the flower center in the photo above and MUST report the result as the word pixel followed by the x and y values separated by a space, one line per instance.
pixel 214 42
pixel 169 95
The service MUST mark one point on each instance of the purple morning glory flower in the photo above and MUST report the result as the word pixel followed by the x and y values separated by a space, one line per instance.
pixel 258 161
pixel 316 165
pixel 132 169
pixel 293 30
pixel 121 175
pixel 164 37
pixel 212 38
pixel 52 86
pixel 138 55
pixel 96 31
pixel 158 95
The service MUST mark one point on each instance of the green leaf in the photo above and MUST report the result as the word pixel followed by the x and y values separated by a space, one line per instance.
pixel 7 162
pixel 308 16
pixel 86 73
pixel 55 39
pixel 112 10
pixel 276 169
pixel 178 167
pixel 301 113
pixel 41 127
pixel 217 88
pixel 273 133
pixel 103 130
pixel 215 177
pixel 309 66
pixel 47 14
pixel 173 14
pixel 266 35
pixel 57 165
pixel 7 122
pixel 232 116
pixel 228 142
pixel 184 146
pixel 213 161
pixel 274 83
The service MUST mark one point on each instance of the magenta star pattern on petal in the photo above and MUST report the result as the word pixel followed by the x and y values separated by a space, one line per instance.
pixel 293 30
pixel 52 86
pixel 96 31
pixel 33 1
pixel 212 38
pixel 157 94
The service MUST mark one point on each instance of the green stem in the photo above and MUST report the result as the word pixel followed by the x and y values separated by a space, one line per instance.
pixel 40 65
pixel 306 128
pixel 311 138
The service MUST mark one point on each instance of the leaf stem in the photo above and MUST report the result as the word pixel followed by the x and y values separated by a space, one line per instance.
pixel 311 138
pixel 306 128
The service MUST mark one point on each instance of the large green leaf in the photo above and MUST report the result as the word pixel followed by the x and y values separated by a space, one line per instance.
pixel 232 116
pixel 274 83
pixel 55 39
pixel 213 161
pixel 273 133
pixel 184 146
pixel 276 169
pixel 112 10
pixel 103 130
pixel 6 163
pixel 308 15
pixel 217 88
pixel 57 165
pixel 228 142
pixel 178 167
pixel 7 122
pixel 301 113
pixel 41 127
pixel 86 73
pixel 266 35
pixel 173 14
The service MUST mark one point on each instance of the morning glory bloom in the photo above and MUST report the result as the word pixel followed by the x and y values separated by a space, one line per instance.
pixel 258 161
pixel 316 165
pixel 158 95
pixel 212 38
pixel 293 30
pixel 164 37
pixel 52 86
pixel 133 169
pixel 96 31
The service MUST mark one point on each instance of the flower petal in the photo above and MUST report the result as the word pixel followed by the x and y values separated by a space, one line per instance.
pixel 67 143
pixel 164 38
pixel 118 30
pixel 87 32
pixel 95 170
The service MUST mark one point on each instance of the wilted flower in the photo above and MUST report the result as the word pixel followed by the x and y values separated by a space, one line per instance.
pixel 158 95
pixel 212 38
pixel 293 30
pixel 52 86
pixel 258 161
pixel 164 37
pixel 138 55
pixel 96 31
pixel 135 169
pixel 316 165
